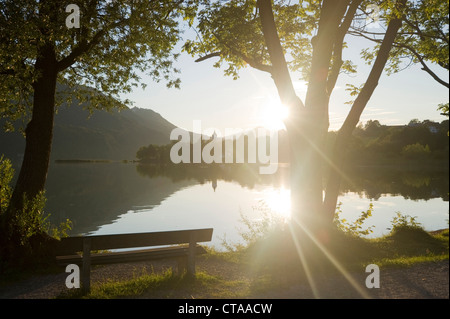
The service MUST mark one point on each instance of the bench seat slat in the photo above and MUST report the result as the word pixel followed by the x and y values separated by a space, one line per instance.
pixel 130 256
pixel 72 245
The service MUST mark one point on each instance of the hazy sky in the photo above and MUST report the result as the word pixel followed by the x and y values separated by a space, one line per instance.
pixel 221 102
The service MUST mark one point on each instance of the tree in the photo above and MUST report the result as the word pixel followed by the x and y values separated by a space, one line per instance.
pixel 147 153
pixel 265 35
pixel 423 38
pixel 416 151
pixel 444 109
pixel 41 44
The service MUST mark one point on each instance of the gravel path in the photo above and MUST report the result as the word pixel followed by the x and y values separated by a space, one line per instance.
pixel 422 281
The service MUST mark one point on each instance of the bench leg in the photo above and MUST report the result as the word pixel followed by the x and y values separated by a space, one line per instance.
pixel 191 258
pixel 182 265
pixel 86 271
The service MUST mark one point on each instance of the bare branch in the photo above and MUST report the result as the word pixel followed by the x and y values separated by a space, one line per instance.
pixel 208 56
pixel 430 72
pixel 254 64
pixel 419 57
pixel 249 61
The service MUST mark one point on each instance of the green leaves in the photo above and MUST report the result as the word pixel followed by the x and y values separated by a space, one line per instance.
pixel 6 175
pixel 27 222
pixel 354 228
pixel 353 91
pixel 115 42
pixel 443 107
pixel 404 221
pixel 234 30
pixel 423 38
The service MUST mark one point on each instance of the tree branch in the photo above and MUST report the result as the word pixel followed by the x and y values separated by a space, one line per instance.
pixel 249 61
pixel 253 63
pixel 324 46
pixel 280 71
pixel 372 80
pixel 338 45
pixel 430 72
pixel 209 56
pixel 82 48
pixel 414 52
pixel 85 46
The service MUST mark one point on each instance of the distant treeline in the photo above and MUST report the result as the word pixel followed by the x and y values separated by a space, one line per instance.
pixel 80 161
pixel 371 143
pixel 232 150
pixel 152 153
pixel 374 143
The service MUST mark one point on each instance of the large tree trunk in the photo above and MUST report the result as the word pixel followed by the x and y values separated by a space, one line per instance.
pixel 304 131
pixel 39 132
pixel 305 176
pixel 312 127
pixel 307 125
pixel 344 134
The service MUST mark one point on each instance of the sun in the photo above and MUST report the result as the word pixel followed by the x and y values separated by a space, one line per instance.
pixel 279 201
pixel 274 113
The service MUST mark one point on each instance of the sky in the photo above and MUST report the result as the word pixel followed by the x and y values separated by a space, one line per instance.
pixel 220 102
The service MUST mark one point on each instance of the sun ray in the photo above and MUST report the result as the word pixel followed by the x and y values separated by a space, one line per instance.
pixel 303 260
pixel 331 258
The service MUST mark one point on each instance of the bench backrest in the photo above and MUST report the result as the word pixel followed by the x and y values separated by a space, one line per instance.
pixel 72 245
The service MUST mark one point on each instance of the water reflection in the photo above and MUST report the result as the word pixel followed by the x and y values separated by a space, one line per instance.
pixel 116 197
pixel 92 195
pixel 408 183
pixel 246 175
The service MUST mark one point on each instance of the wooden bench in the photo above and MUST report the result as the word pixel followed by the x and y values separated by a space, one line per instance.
pixel 68 249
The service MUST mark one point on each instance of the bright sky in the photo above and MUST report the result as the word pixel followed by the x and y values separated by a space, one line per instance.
pixel 221 102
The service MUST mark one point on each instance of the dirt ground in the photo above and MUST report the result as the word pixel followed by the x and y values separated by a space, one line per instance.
pixel 421 281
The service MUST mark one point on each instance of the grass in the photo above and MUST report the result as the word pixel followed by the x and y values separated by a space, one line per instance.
pixel 409 261
pixel 166 285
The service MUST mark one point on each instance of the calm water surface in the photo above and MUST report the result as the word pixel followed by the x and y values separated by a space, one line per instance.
pixel 123 198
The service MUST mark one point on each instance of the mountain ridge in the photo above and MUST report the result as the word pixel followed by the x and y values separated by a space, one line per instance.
pixel 111 135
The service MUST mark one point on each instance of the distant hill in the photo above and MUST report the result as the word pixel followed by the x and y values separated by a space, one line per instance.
pixel 115 135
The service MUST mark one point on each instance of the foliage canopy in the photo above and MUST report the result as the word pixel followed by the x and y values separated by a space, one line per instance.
pixel 116 40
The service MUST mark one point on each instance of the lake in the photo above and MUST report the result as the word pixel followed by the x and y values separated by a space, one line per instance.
pixel 111 198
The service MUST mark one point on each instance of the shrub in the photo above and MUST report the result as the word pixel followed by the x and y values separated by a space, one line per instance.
pixel 257 229
pixel 26 232
pixel 416 151
pixel 403 221
pixel 355 228
pixel 406 228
